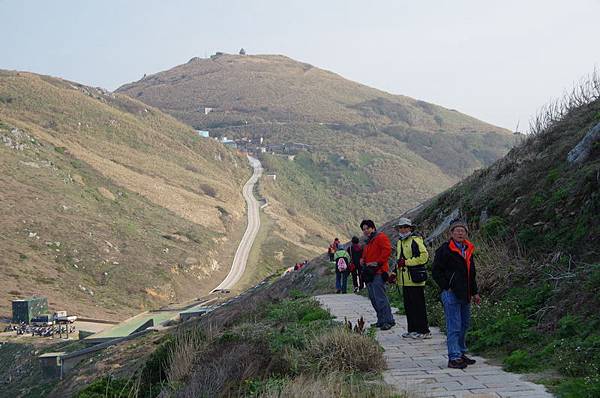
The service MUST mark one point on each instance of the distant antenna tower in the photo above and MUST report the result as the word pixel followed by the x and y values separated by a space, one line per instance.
pixel 517 128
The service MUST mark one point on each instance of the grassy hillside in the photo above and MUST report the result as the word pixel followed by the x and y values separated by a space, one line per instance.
pixel 535 219
pixel 108 205
pixel 372 153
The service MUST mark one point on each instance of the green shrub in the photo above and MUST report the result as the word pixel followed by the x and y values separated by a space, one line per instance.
pixel 578 357
pixel 304 309
pixel 315 314
pixel 588 387
pixel 552 176
pixel 592 283
pixel 507 332
pixel 559 195
pixel 257 387
pixel 538 200
pixel 528 237
pixel 106 387
pixel 494 227
pixel 519 360
pixel 530 299
pixel 499 325
pixel 569 326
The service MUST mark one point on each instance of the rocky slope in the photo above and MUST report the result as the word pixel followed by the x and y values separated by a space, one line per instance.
pixel 108 205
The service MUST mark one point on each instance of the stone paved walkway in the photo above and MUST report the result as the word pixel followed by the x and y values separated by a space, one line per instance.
pixel 420 366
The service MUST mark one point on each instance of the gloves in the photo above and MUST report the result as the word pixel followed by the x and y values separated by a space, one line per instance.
pixel 392 279
pixel 401 262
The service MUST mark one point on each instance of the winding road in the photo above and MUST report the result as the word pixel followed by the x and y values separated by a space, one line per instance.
pixel 241 255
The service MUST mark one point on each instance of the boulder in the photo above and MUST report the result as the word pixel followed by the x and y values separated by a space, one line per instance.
pixel 580 153
pixel 445 224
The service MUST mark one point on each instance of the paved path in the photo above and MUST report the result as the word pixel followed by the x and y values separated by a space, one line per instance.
pixel 241 255
pixel 420 366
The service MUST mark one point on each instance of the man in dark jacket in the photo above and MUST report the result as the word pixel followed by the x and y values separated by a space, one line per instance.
pixel 374 262
pixel 454 272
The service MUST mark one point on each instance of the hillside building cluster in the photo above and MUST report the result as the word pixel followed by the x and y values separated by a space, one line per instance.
pixel 257 145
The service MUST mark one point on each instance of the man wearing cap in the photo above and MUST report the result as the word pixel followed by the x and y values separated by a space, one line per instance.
pixel 454 272
pixel 411 255
pixel 374 262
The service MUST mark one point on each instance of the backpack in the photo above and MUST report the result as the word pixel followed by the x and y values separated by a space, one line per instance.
pixel 341 264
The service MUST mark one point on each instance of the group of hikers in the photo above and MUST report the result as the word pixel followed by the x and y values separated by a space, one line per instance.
pixel 453 270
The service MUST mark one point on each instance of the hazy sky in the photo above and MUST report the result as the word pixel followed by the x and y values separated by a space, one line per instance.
pixel 496 60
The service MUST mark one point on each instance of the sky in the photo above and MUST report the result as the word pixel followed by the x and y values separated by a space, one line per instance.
pixel 498 61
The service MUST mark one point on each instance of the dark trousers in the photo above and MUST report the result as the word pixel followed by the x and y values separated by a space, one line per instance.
pixel 380 301
pixel 414 306
pixel 341 280
pixel 357 280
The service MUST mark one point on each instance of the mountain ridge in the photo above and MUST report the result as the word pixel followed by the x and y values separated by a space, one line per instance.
pixel 370 153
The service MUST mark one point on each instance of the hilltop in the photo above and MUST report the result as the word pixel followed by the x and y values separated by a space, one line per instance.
pixel 370 152
pixel 109 206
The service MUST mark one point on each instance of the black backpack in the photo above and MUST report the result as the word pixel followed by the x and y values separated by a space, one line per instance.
pixel 416 273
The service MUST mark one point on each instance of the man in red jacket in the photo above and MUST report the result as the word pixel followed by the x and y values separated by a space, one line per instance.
pixel 375 267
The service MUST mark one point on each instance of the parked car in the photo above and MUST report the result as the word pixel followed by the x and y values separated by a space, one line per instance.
pixel 61 316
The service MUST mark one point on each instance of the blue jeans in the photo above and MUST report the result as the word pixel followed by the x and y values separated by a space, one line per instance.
pixel 341 280
pixel 458 316
pixel 379 300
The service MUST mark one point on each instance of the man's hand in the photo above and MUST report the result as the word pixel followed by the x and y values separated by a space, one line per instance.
pixel 401 262
pixel 392 279
pixel 373 264
pixel 362 261
pixel 477 299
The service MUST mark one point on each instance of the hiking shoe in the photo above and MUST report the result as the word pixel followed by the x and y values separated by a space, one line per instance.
pixel 377 325
pixel 413 335
pixel 406 334
pixel 467 360
pixel 355 290
pixel 338 291
pixel 424 336
pixel 457 364
pixel 386 326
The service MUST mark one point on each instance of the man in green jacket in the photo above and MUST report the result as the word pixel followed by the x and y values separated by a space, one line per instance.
pixel 412 256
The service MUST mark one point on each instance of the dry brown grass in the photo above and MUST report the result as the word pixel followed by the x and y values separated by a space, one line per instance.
pixel 334 384
pixel 183 353
pixel 339 350
pixel 497 262
pixel 219 369
pixel 586 91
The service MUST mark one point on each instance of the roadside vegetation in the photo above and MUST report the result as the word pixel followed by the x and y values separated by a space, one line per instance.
pixel 290 347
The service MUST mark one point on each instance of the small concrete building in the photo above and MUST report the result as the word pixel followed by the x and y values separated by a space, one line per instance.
pixel 23 310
